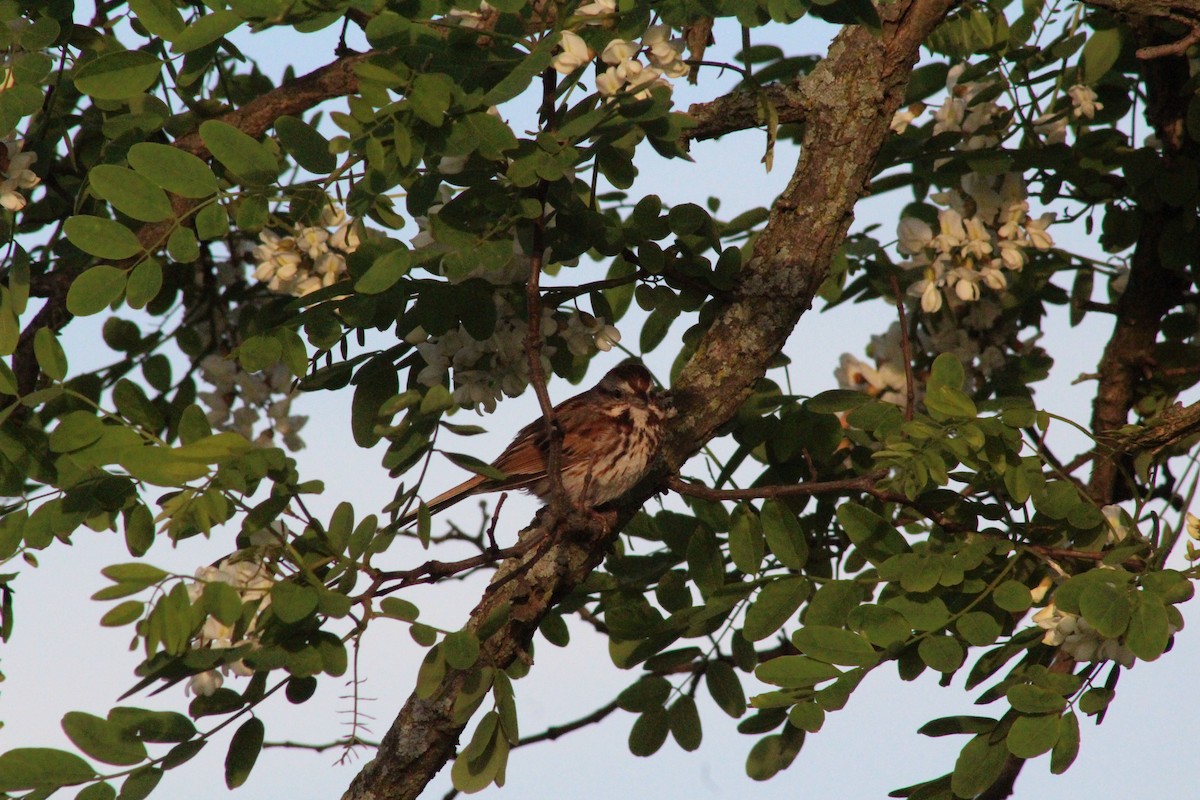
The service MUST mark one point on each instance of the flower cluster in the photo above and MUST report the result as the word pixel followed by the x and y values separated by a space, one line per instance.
pixel 625 73
pixel 1078 639
pixel 239 399
pixel 488 370
pixel 18 177
pixel 252 581
pixel 984 231
pixel 310 259
pixel 886 379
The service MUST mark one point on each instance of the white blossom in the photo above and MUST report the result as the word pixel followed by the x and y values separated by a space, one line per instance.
pixel 619 50
pixel 1083 101
pixel 575 53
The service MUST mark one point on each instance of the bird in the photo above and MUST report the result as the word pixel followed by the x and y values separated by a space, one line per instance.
pixel 610 435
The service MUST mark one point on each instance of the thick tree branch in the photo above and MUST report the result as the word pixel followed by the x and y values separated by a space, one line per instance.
pixel 850 98
pixel 1153 287
pixel 743 109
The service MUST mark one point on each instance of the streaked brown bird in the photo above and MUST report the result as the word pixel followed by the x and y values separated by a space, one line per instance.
pixel 610 434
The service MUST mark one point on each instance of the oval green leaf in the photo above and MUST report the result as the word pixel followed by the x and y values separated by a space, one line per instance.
pixel 242 154
pixel 130 193
pixel 94 290
pixel 173 169
pixel 104 238
pixel 119 75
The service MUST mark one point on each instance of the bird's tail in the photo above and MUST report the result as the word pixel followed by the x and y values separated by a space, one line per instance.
pixel 445 499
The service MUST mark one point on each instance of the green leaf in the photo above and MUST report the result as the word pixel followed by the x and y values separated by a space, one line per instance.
pixel 134 572
pixel 978 628
pixel 100 237
pixel 95 290
pixel 305 144
pixel 725 687
pixel 399 608
pixel 519 78
pixel 835 645
pixel 173 169
pixel 746 544
pixel 159 17
pixel 883 626
pixel 153 726
pixel 943 653
pixel 874 536
pixel 145 281
pixel 123 614
pixel 649 733
pixel 1012 596
pixel 102 740
pixel 949 726
pixel 243 752
pixel 1067 746
pixel 41 767
pixel 1099 54
pixel 473 464
pixel 130 193
pixel 683 720
pixel 776 603
pixel 243 155
pixel 978 766
pixel 836 401
pixel 385 272
pixel 205 30
pixel 1030 736
pixel 784 536
pixel 182 246
pixel 706 566
pixel 140 783
pixel 49 354
pixel 76 431
pixel 97 791
pixel 291 602
pixel 461 649
pixel 1106 608
pixel 118 75
pixel 160 466
pixel 793 672
pixel 1149 629
pixel 1030 699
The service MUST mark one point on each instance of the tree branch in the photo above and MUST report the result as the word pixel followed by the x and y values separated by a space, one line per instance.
pixel 851 97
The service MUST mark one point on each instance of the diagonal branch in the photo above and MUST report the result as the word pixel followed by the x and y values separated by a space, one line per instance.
pixel 851 97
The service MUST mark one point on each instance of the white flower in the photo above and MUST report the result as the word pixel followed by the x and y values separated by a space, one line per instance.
pixel 1192 523
pixel 205 684
pixel 978 241
pixel 949 116
pixel 992 276
pixel 607 338
pixel 952 233
pixel 575 53
pixel 1117 530
pixel 1035 229
pixel 453 165
pixel 664 51
pixel 598 8
pixel 965 282
pixel 609 82
pixel 905 116
pixel 312 241
pixel 1012 254
pixel 931 297
pixel 618 50
pixel 915 235
pixel 1083 101
pixel 1052 127
pixel 1039 592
